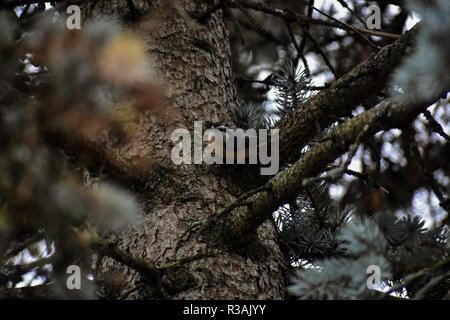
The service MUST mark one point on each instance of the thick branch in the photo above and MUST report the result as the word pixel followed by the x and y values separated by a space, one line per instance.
pixel 244 220
pixel 341 97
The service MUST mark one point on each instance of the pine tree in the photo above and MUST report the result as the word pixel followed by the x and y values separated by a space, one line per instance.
pixel 358 209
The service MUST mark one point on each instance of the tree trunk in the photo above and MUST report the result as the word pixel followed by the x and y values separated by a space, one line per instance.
pixel 193 58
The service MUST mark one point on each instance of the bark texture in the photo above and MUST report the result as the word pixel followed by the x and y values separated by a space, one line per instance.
pixel 194 61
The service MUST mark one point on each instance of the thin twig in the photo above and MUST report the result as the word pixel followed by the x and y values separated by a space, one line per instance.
pixel 303 43
pixel 435 126
pixel 412 276
pixel 322 53
pixel 302 20
pixel 350 27
pixel 241 201
pixel 268 82
pixel 299 50
pixel 346 6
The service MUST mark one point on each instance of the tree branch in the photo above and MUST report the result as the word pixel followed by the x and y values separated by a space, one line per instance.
pixel 289 16
pixel 237 225
pixel 341 97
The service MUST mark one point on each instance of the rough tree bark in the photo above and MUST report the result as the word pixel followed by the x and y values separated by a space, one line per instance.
pixel 235 256
pixel 194 60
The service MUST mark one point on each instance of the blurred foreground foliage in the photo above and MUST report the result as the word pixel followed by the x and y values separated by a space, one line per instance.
pixel 64 88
